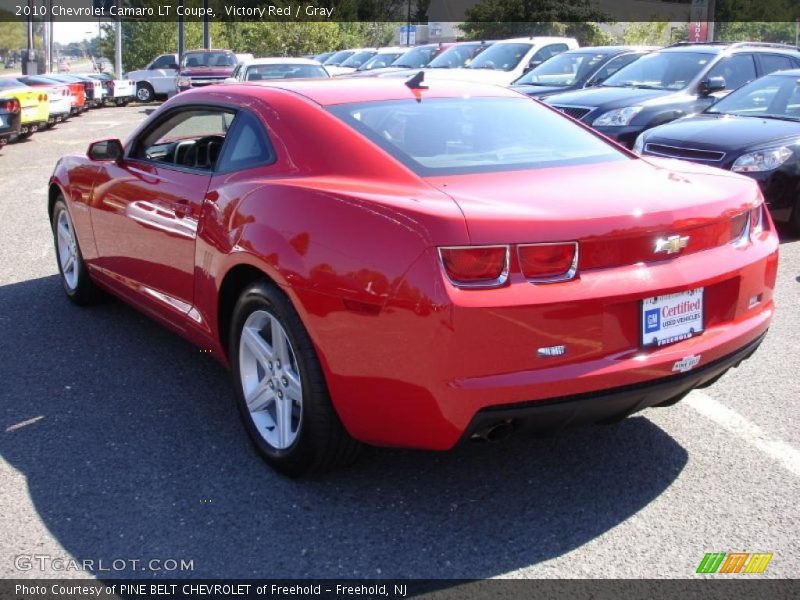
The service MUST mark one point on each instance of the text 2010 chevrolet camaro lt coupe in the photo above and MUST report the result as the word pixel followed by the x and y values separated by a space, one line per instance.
pixel 402 265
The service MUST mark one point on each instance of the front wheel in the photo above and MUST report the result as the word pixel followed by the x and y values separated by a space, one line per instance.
pixel 74 274
pixel 280 389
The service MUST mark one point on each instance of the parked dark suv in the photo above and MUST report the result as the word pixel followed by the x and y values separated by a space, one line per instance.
pixel 682 79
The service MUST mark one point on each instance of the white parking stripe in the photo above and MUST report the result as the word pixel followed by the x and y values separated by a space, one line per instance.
pixel 736 424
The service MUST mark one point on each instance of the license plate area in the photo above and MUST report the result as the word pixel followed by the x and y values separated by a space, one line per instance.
pixel 671 318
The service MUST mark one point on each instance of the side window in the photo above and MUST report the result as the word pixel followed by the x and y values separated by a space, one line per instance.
pixel 774 62
pixel 612 66
pixel 190 138
pixel 161 62
pixel 548 52
pixel 737 70
pixel 248 145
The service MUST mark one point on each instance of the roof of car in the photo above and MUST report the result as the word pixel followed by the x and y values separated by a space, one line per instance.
pixel 371 89
pixel 535 39
pixel 609 49
pixel 282 60
pixel 720 47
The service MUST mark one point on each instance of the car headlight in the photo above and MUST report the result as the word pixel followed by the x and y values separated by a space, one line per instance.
pixel 619 117
pixel 184 82
pixel 762 160
pixel 638 145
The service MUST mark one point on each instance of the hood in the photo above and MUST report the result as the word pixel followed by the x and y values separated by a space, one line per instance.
pixel 333 71
pixel 724 132
pixel 539 91
pixel 377 72
pixel 207 71
pixel 610 97
pixel 590 201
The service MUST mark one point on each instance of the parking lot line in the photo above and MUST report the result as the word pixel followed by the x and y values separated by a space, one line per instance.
pixel 733 422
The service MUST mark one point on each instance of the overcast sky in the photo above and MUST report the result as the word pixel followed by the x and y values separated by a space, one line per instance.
pixel 64 32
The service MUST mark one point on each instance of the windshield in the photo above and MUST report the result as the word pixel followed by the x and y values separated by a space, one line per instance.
pixel 416 57
pixel 208 59
pixel 442 136
pixel 771 96
pixel 339 57
pixel 287 71
pixel 379 61
pixel 563 69
pixel 456 56
pixel 502 57
pixel 661 71
pixel 358 59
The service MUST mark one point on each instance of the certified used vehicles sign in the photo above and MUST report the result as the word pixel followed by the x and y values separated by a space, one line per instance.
pixel 671 318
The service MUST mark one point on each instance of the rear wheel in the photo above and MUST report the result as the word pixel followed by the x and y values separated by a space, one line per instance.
pixel 794 219
pixel 144 92
pixel 74 274
pixel 280 389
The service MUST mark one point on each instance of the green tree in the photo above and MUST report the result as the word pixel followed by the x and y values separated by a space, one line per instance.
pixel 756 31
pixel 647 33
pixel 12 33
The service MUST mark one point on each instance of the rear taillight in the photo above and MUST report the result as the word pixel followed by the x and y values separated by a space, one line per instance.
pixel 548 262
pixel 10 105
pixel 476 266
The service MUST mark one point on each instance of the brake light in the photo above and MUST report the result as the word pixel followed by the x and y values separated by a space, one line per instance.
pixel 476 266
pixel 548 262
pixel 10 105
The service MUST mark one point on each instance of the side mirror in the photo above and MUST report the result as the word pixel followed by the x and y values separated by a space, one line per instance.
pixel 711 85
pixel 110 150
pixel 533 64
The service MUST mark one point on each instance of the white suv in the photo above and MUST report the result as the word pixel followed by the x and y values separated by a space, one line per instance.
pixel 507 60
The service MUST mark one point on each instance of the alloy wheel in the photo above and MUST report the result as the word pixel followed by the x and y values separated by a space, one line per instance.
pixel 271 383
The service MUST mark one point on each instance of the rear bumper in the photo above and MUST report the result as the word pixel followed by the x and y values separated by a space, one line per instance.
pixel 552 415
pixel 418 373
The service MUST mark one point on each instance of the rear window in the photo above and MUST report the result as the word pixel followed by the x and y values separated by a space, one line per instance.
pixel 444 136
pixel 287 71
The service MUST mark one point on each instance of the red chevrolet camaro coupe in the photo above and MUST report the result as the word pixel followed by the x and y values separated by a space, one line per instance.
pixel 379 261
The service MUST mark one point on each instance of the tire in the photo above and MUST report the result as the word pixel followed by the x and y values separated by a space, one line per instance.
pixel 75 276
pixel 313 438
pixel 794 219
pixel 144 92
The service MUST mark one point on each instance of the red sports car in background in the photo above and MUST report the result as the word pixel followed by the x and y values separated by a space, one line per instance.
pixel 402 265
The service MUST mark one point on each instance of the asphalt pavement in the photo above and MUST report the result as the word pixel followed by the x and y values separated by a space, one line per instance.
pixel 120 441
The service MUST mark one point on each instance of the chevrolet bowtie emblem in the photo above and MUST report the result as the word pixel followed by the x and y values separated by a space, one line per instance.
pixel 672 244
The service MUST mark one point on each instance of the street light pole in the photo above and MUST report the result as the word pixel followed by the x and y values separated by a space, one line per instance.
pixel 118 44
pixel 206 27
pixel 408 24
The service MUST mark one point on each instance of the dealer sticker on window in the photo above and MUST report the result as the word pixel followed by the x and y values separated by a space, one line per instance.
pixel 672 318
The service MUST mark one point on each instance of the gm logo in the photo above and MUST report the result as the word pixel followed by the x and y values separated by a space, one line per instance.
pixel 652 320
pixel 734 562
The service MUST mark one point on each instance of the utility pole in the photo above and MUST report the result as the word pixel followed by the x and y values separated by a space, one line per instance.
pixel 181 32
pixel 30 67
pixel 118 44
pixel 46 37
pixel 408 24
pixel 50 53
pixel 206 27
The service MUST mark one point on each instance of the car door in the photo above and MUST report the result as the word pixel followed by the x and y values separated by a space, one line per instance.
pixel 163 72
pixel 146 207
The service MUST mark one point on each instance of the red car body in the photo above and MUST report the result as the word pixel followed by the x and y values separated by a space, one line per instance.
pixel 353 237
